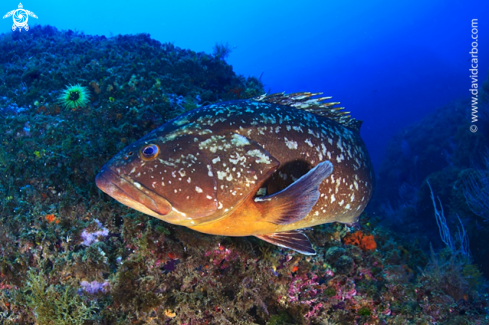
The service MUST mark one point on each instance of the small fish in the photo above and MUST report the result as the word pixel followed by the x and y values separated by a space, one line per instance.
pixel 265 167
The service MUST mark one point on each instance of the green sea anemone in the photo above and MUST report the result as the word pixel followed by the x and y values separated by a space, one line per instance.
pixel 74 96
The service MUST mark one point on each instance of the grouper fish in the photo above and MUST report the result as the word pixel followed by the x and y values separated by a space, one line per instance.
pixel 266 167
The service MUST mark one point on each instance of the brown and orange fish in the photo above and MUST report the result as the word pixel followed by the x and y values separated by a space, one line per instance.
pixel 265 167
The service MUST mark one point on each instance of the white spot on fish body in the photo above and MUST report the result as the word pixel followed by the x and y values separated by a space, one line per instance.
pixel 205 131
pixel 262 158
pixel 339 144
pixel 332 198
pixel 239 140
pixel 290 144
pixel 313 133
pixel 308 141
pixel 235 159
pixel 221 175
pixel 198 189
pixel 180 122
pixel 323 147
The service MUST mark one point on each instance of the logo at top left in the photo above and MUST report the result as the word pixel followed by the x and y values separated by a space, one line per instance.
pixel 20 16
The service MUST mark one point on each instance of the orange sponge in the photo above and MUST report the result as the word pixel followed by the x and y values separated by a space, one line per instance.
pixel 364 242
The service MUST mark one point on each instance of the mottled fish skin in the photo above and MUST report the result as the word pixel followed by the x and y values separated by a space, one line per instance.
pixel 212 161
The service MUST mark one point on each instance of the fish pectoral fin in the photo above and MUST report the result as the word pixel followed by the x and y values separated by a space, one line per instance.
pixel 293 239
pixel 295 201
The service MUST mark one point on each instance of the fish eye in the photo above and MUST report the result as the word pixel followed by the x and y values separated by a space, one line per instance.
pixel 149 152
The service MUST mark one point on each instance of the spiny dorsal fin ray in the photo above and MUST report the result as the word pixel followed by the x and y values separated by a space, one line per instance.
pixel 293 239
pixel 303 100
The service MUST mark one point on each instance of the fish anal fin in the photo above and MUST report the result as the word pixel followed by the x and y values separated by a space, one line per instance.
pixel 293 239
pixel 295 201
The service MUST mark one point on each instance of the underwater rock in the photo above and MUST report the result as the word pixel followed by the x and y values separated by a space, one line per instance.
pixel 344 265
pixel 334 253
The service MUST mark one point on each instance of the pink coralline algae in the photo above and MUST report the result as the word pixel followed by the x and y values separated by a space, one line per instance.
pixel 305 284
pixel 221 256
pixel 305 289
pixel 92 237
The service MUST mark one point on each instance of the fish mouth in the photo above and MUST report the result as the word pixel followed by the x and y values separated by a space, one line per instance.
pixel 132 194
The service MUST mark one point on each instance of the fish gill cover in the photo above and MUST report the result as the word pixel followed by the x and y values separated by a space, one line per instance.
pixel 72 255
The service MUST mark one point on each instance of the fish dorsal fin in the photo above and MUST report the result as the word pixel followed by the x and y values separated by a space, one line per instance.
pixel 304 101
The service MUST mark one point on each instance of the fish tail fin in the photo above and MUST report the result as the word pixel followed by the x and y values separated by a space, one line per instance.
pixel 294 239
pixel 295 201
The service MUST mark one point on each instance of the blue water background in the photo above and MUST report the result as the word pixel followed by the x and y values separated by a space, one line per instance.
pixel 389 63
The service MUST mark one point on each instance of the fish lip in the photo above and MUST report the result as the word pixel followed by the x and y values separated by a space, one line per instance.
pixel 123 190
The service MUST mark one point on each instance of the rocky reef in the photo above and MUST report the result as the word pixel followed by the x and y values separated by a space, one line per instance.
pixel 72 255
pixel 442 151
